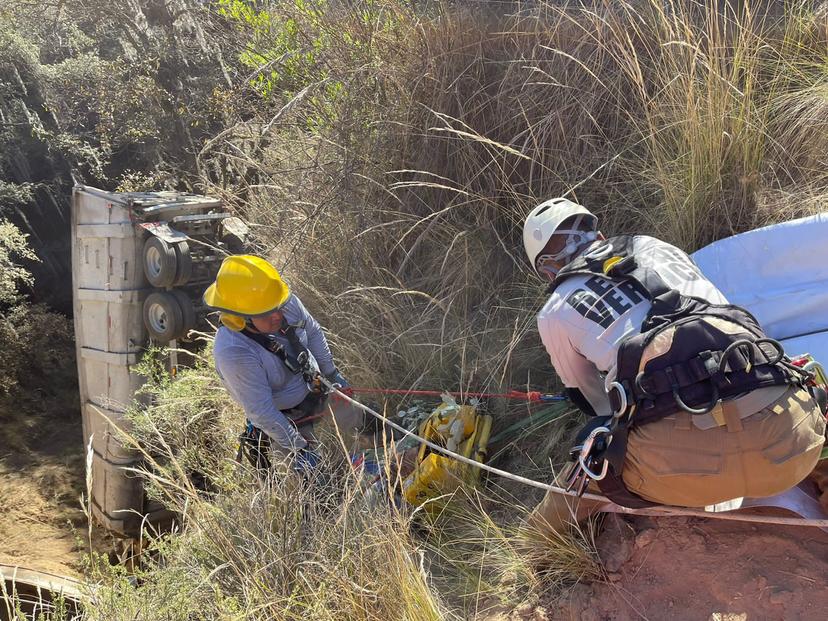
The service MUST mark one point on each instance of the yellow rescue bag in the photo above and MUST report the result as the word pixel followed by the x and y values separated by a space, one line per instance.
pixel 460 429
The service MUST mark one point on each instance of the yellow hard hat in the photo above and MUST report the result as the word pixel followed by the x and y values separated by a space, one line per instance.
pixel 247 286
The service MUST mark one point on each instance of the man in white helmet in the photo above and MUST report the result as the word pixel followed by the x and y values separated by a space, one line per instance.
pixel 705 411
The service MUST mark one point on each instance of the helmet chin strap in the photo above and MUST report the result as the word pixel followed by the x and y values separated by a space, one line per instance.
pixel 547 264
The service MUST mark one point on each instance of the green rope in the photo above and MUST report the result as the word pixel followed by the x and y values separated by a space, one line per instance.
pixel 534 421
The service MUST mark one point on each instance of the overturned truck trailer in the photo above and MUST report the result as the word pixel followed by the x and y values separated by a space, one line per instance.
pixel 139 264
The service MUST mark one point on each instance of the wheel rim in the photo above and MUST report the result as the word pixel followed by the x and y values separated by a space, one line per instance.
pixel 157 318
pixel 153 261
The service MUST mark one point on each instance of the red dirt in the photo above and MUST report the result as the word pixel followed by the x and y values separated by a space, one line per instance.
pixel 697 569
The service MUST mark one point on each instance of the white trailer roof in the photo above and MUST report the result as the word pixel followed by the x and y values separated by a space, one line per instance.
pixel 780 274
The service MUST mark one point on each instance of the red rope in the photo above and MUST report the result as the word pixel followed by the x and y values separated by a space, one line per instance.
pixel 532 396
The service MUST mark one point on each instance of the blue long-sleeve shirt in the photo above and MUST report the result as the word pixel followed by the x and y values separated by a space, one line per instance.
pixel 260 381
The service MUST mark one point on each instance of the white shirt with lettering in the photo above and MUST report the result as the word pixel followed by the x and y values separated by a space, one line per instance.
pixel 587 317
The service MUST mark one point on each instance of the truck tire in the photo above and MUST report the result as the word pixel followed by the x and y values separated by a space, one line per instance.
pixel 184 264
pixel 160 262
pixel 163 316
pixel 188 313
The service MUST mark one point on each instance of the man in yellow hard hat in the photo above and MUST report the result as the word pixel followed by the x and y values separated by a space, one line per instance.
pixel 269 353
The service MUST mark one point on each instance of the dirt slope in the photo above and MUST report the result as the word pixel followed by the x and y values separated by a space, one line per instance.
pixel 41 481
pixel 696 569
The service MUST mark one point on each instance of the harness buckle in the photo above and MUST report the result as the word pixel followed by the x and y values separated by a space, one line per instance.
pixel 710 362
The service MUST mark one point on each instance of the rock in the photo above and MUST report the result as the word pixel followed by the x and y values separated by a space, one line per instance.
pixel 528 611
pixel 616 543
pixel 612 577
pixel 728 616
pixel 645 538
pixel 644 522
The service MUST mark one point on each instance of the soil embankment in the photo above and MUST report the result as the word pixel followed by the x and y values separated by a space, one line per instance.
pixel 693 569
pixel 42 524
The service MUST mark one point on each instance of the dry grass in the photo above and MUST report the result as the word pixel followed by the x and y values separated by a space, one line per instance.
pixel 328 548
pixel 398 217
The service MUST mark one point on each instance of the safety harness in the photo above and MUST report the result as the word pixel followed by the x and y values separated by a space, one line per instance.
pixel 255 443
pixel 689 356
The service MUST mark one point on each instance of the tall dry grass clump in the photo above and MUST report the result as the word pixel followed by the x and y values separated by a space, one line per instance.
pixel 279 550
pixel 254 545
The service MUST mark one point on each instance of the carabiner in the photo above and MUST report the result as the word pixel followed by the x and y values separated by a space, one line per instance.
pixel 590 473
pixel 622 394
pixel 587 449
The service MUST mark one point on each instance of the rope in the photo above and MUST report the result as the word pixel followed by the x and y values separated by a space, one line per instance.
pixel 532 396
pixel 608 507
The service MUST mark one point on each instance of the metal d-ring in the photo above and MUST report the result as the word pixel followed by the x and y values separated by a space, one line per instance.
pixel 780 351
pixel 643 391
pixel 680 402
pixel 623 394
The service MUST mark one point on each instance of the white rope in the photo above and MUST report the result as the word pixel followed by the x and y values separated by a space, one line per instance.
pixel 609 506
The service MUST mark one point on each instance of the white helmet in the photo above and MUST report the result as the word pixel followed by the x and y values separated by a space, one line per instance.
pixel 543 222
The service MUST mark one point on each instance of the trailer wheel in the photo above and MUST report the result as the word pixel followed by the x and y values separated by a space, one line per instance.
pixel 188 313
pixel 159 262
pixel 184 264
pixel 163 316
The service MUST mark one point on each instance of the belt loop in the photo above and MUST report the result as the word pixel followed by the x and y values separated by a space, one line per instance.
pixel 683 420
pixel 732 418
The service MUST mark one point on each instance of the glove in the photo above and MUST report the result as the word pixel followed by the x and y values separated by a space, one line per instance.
pixel 305 461
pixel 344 385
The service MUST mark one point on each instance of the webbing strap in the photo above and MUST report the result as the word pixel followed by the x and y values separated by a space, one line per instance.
pixel 647 280
pixel 293 362
pixel 698 369
pixel 289 332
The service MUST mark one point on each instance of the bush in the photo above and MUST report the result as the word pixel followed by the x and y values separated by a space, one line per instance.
pixel 189 421
pixel 37 358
